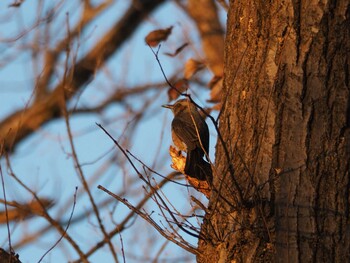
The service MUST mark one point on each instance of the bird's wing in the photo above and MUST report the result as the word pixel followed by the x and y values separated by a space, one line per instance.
pixel 186 131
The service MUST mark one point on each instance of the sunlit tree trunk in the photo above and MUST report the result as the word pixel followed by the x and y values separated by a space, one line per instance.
pixel 285 125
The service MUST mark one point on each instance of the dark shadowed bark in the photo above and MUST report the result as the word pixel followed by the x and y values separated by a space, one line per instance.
pixel 286 126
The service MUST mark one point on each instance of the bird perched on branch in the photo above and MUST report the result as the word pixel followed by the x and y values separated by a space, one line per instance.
pixel 190 133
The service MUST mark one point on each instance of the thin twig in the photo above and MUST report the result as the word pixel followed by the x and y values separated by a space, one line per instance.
pixel 45 214
pixel 65 230
pixel 155 172
pixel 75 156
pixel 144 180
pixel 122 247
pixel 122 225
pixel 5 199
pixel 150 221
pixel 161 68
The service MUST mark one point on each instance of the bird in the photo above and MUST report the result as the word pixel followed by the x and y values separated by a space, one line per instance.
pixel 190 134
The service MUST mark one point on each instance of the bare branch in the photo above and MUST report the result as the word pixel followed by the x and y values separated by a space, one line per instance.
pixel 24 122
pixel 45 214
pixel 119 228
pixel 65 230
pixel 149 220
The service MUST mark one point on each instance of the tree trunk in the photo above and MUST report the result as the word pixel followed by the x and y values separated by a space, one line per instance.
pixel 281 180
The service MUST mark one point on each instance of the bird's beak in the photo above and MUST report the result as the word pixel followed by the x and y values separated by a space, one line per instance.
pixel 168 106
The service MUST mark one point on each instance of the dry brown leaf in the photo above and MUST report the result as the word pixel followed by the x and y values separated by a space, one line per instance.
pixel 177 51
pixel 23 211
pixel 155 37
pixel 179 163
pixel 200 186
pixel 178 160
pixel 16 4
pixel 215 85
pixel 206 112
pixel 217 106
pixel 179 87
pixel 214 80
pixel 191 67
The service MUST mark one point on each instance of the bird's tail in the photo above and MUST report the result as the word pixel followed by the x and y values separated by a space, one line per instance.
pixel 197 167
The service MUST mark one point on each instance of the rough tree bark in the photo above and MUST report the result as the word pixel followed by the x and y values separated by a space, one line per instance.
pixel 286 126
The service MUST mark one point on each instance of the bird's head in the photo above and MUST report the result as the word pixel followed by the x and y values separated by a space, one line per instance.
pixel 180 106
